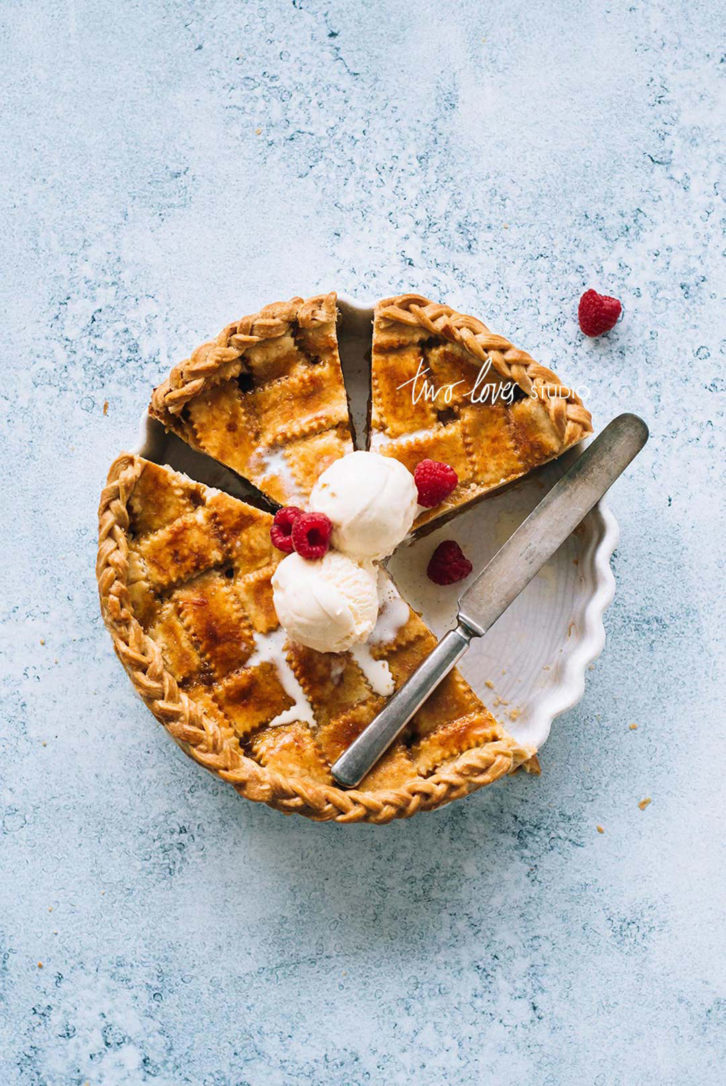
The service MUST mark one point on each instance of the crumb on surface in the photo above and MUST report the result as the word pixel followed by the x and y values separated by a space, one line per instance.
pixel 258 131
pixel 40 965
pixel 514 714
pixel 644 803
pixel 489 683
pixel 42 640
pixel 105 407
pixel 633 727
pixel 600 829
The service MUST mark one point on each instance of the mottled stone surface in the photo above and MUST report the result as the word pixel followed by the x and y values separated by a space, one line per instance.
pixel 168 166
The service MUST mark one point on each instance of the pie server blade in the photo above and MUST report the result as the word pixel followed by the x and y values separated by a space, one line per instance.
pixel 500 582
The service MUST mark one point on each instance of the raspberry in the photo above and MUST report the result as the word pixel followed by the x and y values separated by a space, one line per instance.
pixel 434 481
pixel 281 528
pixel 311 535
pixel 597 313
pixel 448 564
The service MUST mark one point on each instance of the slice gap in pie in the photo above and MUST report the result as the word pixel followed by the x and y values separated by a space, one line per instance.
pixel 443 387
pixel 184 575
pixel 265 398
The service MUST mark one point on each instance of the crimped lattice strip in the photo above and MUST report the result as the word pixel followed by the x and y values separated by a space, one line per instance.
pixel 266 397
pixel 191 667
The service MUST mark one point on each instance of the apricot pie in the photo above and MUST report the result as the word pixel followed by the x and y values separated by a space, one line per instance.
pixel 185 571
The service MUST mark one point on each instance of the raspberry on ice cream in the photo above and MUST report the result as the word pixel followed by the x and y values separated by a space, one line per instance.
pixel 448 564
pixel 281 528
pixel 311 535
pixel 434 482
pixel 598 313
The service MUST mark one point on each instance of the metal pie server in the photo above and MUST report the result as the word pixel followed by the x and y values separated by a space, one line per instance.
pixel 500 582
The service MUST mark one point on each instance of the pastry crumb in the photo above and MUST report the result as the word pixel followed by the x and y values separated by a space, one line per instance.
pixel 258 131
pixel 489 684
pixel 40 965
pixel 44 743
pixel 633 727
pixel 644 803
pixel 600 829
pixel 105 407
pixel 42 640
pixel 514 714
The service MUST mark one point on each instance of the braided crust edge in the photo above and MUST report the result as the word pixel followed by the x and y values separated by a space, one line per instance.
pixel 569 416
pixel 201 738
pixel 219 358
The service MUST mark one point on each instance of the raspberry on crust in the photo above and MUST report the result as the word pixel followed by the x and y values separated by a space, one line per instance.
pixel 434 482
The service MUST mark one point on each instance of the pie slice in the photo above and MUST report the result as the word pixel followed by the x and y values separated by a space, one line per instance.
pixel 266 397
pixel 443 387
pixel 184 575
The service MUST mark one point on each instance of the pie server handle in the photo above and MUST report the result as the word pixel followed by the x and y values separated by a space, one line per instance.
pixel 500 582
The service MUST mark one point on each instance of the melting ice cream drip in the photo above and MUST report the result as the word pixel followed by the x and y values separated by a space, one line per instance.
pixel 270 648
pixel 274 462
pixel 392 617
pixel 377 672
pixel 392 614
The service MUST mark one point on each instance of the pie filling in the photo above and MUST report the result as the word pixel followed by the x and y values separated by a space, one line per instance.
pixel 186 571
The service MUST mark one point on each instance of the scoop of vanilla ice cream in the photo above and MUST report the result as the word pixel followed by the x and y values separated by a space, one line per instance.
pixel 329 604
pixel 371 501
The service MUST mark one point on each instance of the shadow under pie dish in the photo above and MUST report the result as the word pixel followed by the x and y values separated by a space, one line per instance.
pixel 184 571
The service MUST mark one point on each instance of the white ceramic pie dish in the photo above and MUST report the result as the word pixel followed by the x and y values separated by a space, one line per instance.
pixel 531 665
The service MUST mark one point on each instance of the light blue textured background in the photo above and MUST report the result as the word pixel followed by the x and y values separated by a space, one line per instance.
pixel 169 166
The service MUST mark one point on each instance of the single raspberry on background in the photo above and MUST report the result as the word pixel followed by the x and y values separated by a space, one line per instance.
pixel 311 535
pixel 434 482
pixel 598 313
pixel 281 527
pixel 448 563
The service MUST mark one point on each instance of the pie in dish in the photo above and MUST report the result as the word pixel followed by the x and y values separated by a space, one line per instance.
pixel 443 387
pixel 185 571
pixel 266 397
pixel 184 576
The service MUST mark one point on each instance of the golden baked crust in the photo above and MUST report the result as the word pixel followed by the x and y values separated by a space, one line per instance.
pixel 266 397
pixel 489 444
pixel 184 582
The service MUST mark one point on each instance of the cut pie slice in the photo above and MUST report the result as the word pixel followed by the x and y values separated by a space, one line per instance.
pixel 184 575
pixel 443 387
pixel 266 397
